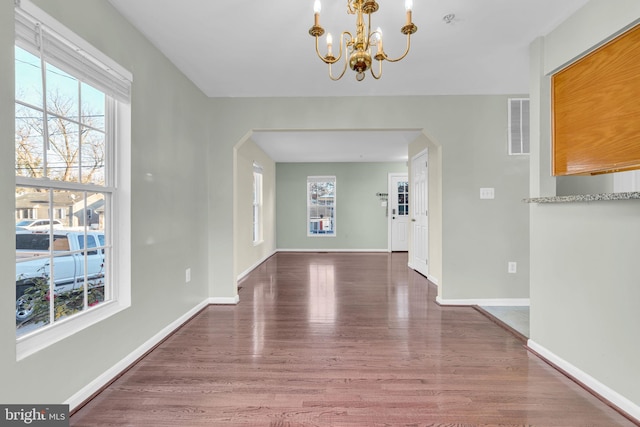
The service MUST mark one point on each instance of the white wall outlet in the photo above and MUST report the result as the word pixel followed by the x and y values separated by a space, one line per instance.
pixel 187 275
pixel 487 193
pixel 512 267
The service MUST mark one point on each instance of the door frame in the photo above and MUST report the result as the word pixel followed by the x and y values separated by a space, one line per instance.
pixel 412 255
pixel 390 177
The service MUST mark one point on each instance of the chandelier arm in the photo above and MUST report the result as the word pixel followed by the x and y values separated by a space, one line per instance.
pixel 325 59
pixel 345 39
pixel 344 42
pixel 377 77
pixel 403 55
pixel 344 69
pixel 368 33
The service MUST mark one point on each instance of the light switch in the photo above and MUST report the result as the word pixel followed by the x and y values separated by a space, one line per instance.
pixel 487 193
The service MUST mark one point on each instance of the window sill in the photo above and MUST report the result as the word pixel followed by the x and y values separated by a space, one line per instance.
pixel 48 335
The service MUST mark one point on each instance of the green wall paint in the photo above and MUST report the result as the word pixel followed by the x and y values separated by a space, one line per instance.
pixel 479 237
pixel 248 254
pixel 361 222
pixel 183 196
pixel 584 280
pixel 170 129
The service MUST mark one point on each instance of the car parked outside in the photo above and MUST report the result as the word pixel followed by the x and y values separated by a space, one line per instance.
pixel 38 224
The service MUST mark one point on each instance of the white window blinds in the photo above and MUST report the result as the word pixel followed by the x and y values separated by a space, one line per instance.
pixel 76 57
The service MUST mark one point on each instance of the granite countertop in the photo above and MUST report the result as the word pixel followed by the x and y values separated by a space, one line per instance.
pixel 585 198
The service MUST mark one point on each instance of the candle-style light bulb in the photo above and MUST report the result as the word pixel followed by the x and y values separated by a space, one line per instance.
pixel 317 7
pixel 329 44
pixel 379 39
pixel 408 5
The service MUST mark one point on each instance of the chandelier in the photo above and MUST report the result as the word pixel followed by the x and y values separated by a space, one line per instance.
pixel 358 48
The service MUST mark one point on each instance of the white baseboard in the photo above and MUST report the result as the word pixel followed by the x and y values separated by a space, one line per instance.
pixel 254 266
pixel 500 302
pixel 588 381
pixel 429 277
pixel 224 300
pixel 105 378
pixel 333 250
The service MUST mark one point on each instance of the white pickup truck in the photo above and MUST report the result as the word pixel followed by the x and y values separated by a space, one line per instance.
pixel 67 250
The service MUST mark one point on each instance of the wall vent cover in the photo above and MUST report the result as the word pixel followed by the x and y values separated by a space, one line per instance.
pixel 518 126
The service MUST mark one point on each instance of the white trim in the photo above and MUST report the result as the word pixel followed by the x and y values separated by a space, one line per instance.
pixel 331 250
pixel 431 278
pixel 390 177
pixel 412 198
pixel 43 338
pixel 334 217
pixel 111 373
pixel 82 49
pixel 224 300
pixel 120 224
pixel 588 381
pixel 254 266
pixel 499 302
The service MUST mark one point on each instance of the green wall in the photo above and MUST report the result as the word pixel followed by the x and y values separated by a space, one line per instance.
pixel 361 222
pixel 584 279
pixel 168 190
pixel 247 254
pixel 183 198
pixel 479 237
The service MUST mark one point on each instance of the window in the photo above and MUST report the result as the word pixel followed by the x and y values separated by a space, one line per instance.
pixel 257 203
pixel 518 126
pixel 72 120
pixel 321 206
pixel 403 198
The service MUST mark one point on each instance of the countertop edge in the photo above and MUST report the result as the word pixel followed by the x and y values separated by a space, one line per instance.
pixel 635 195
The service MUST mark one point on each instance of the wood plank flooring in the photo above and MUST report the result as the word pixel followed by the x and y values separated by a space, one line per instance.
pixel 345 339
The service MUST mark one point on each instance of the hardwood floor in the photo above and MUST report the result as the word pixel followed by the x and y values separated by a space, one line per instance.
pixel 342 340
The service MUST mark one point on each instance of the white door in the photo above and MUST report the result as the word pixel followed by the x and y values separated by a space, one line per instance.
pixel 419 213
pixel 399 211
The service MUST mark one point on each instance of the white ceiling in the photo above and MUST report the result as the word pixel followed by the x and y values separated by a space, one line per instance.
pixel 336 146
pixel 251 48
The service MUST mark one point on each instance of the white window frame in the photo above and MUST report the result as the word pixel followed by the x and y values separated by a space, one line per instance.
pixel 118 126
pixel 333 222
pixel 522 129
pixel 258 179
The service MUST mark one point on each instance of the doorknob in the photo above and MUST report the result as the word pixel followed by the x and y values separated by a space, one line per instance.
pixel 413 220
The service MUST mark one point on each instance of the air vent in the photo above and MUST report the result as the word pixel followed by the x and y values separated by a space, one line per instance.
pixel 518 126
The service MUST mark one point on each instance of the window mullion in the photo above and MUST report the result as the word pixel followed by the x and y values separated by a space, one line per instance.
pixel 45 117
pixel 79 131
pixel 52 259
